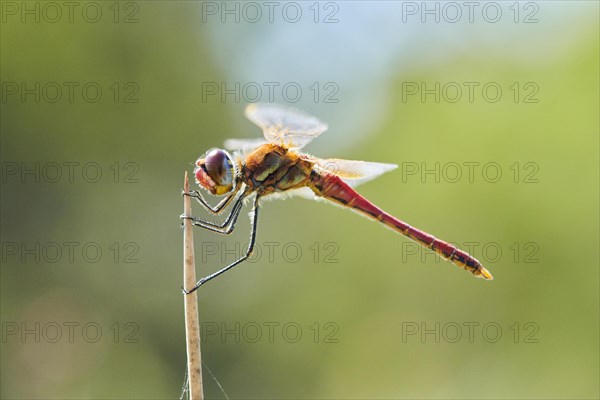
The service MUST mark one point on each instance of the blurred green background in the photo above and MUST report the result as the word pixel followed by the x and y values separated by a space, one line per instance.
pixel 376 320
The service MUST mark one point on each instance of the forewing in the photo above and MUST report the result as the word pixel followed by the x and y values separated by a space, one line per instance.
pixel 285 126
pixel 353 172
pixel 243 144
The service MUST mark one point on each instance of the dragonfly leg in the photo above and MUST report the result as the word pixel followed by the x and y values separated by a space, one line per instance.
pixel 200 199
pixel 253 220
pixel 226 227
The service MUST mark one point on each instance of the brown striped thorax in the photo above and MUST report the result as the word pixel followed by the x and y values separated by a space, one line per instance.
pixel 272 168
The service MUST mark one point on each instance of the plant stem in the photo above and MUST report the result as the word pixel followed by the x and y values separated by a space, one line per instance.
pixel 192 330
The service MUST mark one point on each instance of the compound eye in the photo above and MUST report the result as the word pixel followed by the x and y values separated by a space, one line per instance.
pixel 219 167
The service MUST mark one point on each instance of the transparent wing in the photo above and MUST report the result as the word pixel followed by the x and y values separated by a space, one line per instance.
pixel 244 144
pixel 285 126
pixel 353 172
pixel 304 192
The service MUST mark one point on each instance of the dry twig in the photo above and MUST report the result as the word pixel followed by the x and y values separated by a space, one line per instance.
pixel 192 330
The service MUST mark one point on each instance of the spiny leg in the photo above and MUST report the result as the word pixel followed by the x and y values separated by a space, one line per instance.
pixel 227 226
pixel 200 199
pixel 253 220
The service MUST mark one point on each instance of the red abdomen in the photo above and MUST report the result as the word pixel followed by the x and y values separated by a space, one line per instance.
pixel 335 189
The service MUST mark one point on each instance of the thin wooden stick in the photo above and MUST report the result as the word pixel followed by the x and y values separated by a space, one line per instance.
pixel 192 330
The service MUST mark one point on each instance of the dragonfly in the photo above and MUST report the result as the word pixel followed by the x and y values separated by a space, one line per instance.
pixel 274 166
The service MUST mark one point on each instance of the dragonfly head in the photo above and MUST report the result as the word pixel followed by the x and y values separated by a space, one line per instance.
pixel 215 172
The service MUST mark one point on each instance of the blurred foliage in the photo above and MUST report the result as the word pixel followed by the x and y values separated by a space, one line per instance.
pixel 369 295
